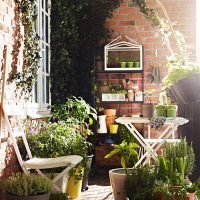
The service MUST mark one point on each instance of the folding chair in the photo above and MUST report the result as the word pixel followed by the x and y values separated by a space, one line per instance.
pixel 40 163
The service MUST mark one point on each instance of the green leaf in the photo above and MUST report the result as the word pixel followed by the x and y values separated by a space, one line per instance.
pixel 113 152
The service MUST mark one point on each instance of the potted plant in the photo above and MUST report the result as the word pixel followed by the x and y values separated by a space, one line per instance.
pixel 161 110
pixel 171 111
pixel 27 187
pixel 147 106
pixel 174 167
pixel 55 140
pixel 80 115
pixel 128 156
pixel 140 183
pixel 99 63
pixel 59 196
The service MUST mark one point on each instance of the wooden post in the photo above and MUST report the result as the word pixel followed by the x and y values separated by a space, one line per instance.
pixel 3 70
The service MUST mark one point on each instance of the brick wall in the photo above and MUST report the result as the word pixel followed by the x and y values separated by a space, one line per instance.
pixel 130 21
pixel 8 161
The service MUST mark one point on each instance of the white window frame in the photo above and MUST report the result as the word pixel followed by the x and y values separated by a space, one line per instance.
pixel 198 31
pixel 40 108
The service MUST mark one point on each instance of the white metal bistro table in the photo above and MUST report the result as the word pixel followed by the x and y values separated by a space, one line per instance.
pixel 152 145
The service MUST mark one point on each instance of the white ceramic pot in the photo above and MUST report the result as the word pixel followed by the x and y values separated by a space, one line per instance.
pixel 102 124
pixel 117 181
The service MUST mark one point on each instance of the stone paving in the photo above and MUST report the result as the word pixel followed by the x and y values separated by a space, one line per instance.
pixel 99 189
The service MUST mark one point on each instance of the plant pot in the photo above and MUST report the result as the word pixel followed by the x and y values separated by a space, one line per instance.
pixel 171 112
pixel 113 128
pixel 37 197
pixel 102 124
pixel 110 120
pixel 110 112
pixel 117 181
pixel 137 64
pixel 87 172
pixel 123 64
pixel 147 110
pixel 130 64
pixel 100 65
pixel 161 111
pixel 74 188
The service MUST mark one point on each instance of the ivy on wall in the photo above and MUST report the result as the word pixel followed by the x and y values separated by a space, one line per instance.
pixel 28 39
pixel 76 28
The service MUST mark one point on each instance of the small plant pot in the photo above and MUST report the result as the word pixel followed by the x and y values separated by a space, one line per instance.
pixel 100 65
pixel 110 120
pixel 171 111
pixel 74 188
pixel 161 111
pixel 113 128
pixel 123 64
pixel 137 64
pixel 37 197
pixel 130 64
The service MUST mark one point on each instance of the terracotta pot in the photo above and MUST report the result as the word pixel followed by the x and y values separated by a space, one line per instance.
pixel 40 197
pixel 109 121
pixel 147 110
pixel 110 112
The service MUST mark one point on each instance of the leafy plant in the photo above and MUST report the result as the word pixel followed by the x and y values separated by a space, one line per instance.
pixel 140 183
pixel 27 37
pixel 127 153
pixel 75 111
pixel 125 134
pixel 59 196
pixel 27 185
pixel 83 22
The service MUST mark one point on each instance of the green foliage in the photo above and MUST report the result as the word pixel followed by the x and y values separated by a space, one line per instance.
pixel 125 134
pixel 77 27
pixel 140 184
pixel 56 139
pixel 74 110
pixel 127 153
pixel 28 185
pixel 184 151
pixel 59 196
pixel 31 50
pixel 178 71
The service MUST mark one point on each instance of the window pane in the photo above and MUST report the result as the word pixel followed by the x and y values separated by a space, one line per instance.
pixel 43 27
pixel 47 59
pixel 47 89
pixel 47 6
pixel 35 93
pixel 47 28
pixel 42 3
pixel 43 61
pixel 43 89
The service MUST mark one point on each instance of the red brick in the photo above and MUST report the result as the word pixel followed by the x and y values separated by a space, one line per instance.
pixel 119 17
pixel 126 10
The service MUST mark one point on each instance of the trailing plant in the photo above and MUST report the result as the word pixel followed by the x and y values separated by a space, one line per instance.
pixel 80 21
pixel 27 185
pixel 127 152
pixel 25 16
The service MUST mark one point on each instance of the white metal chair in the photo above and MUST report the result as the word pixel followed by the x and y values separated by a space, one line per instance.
pixel 40 163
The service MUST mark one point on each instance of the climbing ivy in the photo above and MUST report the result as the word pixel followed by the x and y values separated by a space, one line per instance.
pixel 76 28
pixel 25 16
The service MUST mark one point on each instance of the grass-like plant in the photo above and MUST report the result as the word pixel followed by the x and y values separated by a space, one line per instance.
pixel 59 196
pixel 27 185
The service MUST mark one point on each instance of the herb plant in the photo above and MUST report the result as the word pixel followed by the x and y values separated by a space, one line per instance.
pixel 28 185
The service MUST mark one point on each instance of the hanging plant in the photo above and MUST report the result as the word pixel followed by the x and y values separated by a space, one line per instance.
pixel 28 39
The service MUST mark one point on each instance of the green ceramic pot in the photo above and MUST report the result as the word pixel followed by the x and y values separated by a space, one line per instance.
pixel 171 111
pixel 161 111
pixel 123 64
pixel 137 64
pixel 130 64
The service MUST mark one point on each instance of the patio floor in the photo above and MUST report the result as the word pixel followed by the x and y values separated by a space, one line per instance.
pixel 99 187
